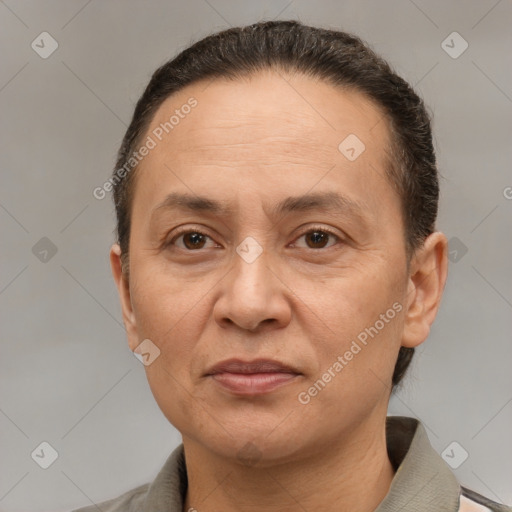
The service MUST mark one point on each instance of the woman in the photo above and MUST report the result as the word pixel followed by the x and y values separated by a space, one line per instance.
pixel 277 264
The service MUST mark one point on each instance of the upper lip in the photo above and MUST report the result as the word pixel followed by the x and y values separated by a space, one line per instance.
pixel 248 367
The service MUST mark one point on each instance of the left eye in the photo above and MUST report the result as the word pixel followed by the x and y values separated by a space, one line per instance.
pixel 192 240
pixel 318 238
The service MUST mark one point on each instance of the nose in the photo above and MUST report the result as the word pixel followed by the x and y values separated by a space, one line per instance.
pixel 253 297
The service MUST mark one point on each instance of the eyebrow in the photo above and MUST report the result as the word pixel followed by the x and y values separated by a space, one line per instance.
pixel 329 201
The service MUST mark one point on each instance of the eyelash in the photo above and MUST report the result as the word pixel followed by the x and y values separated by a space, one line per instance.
pixel 199 232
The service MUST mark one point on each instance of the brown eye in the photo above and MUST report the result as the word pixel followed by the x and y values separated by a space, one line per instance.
pixel 319 239
pixel 194 240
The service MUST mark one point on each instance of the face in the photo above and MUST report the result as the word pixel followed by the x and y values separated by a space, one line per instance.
pixel 278 301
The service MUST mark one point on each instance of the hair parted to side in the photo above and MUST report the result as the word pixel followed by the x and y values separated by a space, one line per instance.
pixel 338 58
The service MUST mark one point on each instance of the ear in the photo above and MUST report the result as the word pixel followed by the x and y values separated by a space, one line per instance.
pixel 427 279
pixel 123 288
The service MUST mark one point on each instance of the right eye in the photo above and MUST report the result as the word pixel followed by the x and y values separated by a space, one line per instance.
pixel 192 240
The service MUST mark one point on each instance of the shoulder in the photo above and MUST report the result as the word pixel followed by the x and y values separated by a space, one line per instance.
pixel 471 501
pixel 129 501
pixel 165 492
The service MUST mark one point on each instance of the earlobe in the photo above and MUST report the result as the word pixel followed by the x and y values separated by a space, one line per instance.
pixel 425 289
pixel 123 289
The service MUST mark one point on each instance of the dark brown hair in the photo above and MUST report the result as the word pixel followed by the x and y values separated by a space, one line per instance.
pixel 336 57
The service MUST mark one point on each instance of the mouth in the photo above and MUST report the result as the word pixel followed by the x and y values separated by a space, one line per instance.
pixel 251 378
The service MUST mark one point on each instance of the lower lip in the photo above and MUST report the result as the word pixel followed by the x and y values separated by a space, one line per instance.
pixel 253 383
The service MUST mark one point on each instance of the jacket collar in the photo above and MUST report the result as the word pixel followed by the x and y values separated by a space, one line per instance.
pixel 423 482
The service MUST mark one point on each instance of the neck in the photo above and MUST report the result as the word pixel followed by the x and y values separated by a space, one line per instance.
pixel 353 475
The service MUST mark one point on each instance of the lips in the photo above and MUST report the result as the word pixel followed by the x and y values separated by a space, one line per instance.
pixel 251 377
pixel 248 367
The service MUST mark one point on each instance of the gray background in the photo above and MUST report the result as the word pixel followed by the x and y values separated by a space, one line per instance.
pixel 67 375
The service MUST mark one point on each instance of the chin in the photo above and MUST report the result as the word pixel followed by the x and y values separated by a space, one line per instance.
pixel 253 450
pixel 255 443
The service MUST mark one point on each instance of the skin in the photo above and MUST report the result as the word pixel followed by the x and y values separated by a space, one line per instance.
pixel 253 143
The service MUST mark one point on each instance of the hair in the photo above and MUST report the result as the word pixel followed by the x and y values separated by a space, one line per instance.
pixel 339 58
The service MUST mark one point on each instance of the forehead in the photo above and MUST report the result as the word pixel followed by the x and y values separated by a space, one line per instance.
pixel 273 107
pixel 273 127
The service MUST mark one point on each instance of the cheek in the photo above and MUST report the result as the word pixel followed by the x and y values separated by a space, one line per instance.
pixel 160 300
pixel 169 314
pixel 169 317
pixel 350 305
pixel 172 394
pixel 362 321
